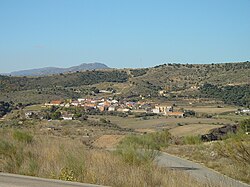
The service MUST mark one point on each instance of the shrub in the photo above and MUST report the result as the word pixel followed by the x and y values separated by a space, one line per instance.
pixel 141 149
pixel 6 148
pixel 245 125
pixel 22 136
pixel 13 157
pixel 134 156
pixel 236 149
pixel 192 140
pixel 65 159
pixel 103 120
pixel 153 141
pixel 67 175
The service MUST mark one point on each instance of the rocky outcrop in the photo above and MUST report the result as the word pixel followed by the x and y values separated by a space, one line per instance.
pixel 219 133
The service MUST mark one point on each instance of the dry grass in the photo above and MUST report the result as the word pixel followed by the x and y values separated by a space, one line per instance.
pixel 210 109
pixel 232 117
pixel 108 141
pixel 193 129
pixel 155 121
pixel 34 108
pixel 68 159
pixel 110 170
pixel 230 157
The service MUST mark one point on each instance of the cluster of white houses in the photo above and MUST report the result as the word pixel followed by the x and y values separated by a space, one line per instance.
pixel 242 111
pixel 119 106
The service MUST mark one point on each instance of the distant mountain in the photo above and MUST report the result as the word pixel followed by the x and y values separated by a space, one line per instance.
pixel 55 70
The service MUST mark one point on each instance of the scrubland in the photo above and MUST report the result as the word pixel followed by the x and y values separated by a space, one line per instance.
pixel 68 159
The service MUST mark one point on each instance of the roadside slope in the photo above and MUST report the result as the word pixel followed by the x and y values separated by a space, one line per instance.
pixel 198 171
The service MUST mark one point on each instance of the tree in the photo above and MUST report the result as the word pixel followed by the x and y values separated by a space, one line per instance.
pixel 245 125
pixel 56 115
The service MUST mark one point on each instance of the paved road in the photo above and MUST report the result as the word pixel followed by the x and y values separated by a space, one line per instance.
pixel 11 180
pixel 198 171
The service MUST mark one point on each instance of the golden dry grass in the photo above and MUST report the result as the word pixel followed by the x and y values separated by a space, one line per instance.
pixel 108 141
pixel 153 122
pixel 192 129
pixel 68 159
pixel 210 109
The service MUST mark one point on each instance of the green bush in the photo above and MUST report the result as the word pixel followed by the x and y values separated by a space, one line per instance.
pixel 6 148
pixel 75 163
pixel 131 154
pixel 153 141
pixel 141 149
pixel 245 125
pixel 12 156
pixel 22 136
pixel 236 148
pixel 138 72
pixel 192 140
pixel 236 95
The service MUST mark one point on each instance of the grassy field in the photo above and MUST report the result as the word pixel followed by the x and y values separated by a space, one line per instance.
pixel 193 129
pixel 211 109
pixel 69 153
pixel 108 141
pixel 232 117
pixel 157 122
pixel 119 87
pixel 67 159
pixel 34 108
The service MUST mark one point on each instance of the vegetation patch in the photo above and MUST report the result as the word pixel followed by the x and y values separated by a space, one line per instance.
pixel 236 95
pixel 22 136
pixel 190 140
pixel 142 149
pixel 138 72
pixel 67 159
pixel 5 107
pixel 229 156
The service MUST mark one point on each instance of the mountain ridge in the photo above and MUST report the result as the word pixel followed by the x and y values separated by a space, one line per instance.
pixel 56 70
pixel 170 80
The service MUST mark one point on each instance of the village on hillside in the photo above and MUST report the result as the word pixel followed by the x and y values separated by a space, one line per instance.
pixel 113 105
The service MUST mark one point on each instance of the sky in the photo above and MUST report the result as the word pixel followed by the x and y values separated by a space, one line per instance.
pixel 122 33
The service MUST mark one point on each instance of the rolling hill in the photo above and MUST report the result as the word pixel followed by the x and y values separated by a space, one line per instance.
pixel 55 70
pixel 175 80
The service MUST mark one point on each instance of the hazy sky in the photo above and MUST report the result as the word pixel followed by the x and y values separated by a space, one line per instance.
pixel 122 33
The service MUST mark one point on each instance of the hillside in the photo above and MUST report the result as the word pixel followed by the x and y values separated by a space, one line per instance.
pixel 55 70
pixel 175 80
pixel 175 77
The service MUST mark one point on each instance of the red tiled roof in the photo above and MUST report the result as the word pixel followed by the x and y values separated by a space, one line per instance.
pixel 175 113
pixel 56 102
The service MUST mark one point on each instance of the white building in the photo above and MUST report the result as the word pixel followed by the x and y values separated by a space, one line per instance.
pixel 246 110
pixel 162 109
pixel 67 117
pixel 112 108
pixel 80 100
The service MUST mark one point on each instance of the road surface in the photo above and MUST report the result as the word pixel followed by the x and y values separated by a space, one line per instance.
pixel 12 180
pixel 197 171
